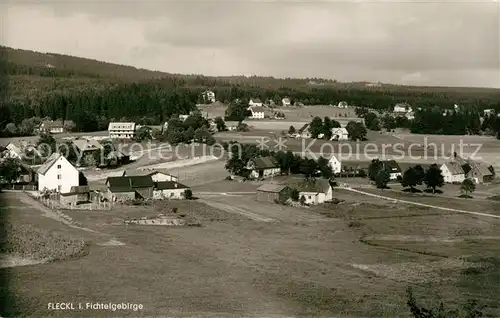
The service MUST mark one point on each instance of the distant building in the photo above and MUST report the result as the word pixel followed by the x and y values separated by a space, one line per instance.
pixel 129 188
pixel 121 130
pixel 169 190
pixel 55 126
pixel 87 146
pixel 315 192
pixel 342 105
pixel 156 176
pixel 286 102
pixel 273 193
pixel 340 134
pixel 208 96
pixel 57 174
pixel 257 112
pixel 488 112
pixel 255 102
pixel 394 169
pixel 263 167
pixel 304 131
pixel 452 172
pixel 183 117
pixel 335 164
pixel 477 171
pixel 402 108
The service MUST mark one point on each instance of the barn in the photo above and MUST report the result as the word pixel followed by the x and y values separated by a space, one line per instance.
pixel 273 193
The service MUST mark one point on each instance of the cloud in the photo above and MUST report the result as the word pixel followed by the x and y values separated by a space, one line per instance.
pixel 384 41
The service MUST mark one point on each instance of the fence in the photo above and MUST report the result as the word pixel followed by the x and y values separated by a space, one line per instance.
pixel 54 203
pixel 24 187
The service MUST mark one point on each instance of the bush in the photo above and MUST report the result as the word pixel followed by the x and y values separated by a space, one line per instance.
pixel 188 194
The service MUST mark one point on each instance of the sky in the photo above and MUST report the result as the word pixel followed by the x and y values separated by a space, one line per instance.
pixel 445 43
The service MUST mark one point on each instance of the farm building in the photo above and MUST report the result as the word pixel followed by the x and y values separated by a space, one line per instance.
pixel 452 172
pixel 231 125
pixel 304 131
pixel 121 130
pixel 263 167
pixel 76 195
pixel 57 174
pixel 315 192
pixel 56 126
pixel 117 157
pixel 129 188
pixel 257 112
pixel 86 146
pixel 340 134
pixel 156 175
pixel 169 190
pixel 286 102
pixel 208 96
pixel 394 169
pixel 255 102
pixel 479 172
pixel 273 192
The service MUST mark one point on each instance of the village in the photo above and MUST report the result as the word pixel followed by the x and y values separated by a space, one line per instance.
pixel 117 182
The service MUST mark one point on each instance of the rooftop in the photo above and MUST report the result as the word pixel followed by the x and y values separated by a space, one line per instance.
pixel 272 187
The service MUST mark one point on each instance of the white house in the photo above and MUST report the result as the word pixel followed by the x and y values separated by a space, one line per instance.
pixel 286 102
pixel 488 112
pixel 453 172
pixel 342 105
pixel 257 112
pixel 208 96
pixel 255 102
pixel 402 108
pixel 340 134
pixel 121 130
pixel 316 192
pixel 335 163
pixel 57 174
pixel 169 190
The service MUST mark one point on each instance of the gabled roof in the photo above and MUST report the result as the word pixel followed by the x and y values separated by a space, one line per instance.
pixel 265 162
pixel 77 190
pixel 49 163
pixel 255 100
pixel 480 169
pixel 303 128
pixel 121 126
pixel 169 185
pixel 128 184
pixel 87 145
pixel 317 186
pixel 342 131
pixel 454 167
pixel 133 172
pixel 272 187
pixel 286 100
pixel 392 165
pixel 257 109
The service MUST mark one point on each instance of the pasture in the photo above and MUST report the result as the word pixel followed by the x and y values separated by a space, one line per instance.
pixel 351 259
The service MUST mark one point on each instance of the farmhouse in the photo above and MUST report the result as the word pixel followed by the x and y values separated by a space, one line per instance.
pixel 156 175
pixel 453 172
pixel 335 163
pixel 273 193
pixel 478 171
pixel 86 146
pixel 76 195
pixel 121 130
pixel 286 102
pixel 257 112
pixel 208 96
pixel 255 102
pixel 18 148
pixel 57 174
pixel 402 109
pixel 394 169
pixel 55 126
pixel 263 167
pixel 169 190
pixel 340 134
pixel 315 192
pixel 129 188
pixel 304 131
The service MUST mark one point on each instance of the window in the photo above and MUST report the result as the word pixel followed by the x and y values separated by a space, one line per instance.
pixel 58 177
pixel 59 188
pixel 309 197
pixel 58 166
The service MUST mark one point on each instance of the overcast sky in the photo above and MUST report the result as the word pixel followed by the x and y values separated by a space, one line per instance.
pixel 421 43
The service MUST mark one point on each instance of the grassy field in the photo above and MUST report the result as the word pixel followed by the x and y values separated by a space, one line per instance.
pixel 351 259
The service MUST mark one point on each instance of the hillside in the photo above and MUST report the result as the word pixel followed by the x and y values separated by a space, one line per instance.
pixel 34 74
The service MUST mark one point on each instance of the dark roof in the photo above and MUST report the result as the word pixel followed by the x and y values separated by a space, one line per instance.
pixel 454 167
pixel 317 186
pixel 77 190
pixel 128 184
pixel 392 165
pixel 49 163
pixel 256 100
pixel 169 185
pixel 303 128
pixel 265 162
pixel 272 187
pixel 257 109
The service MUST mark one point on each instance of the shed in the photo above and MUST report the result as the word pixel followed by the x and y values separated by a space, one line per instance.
pixel 273 192
pixel 77 195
